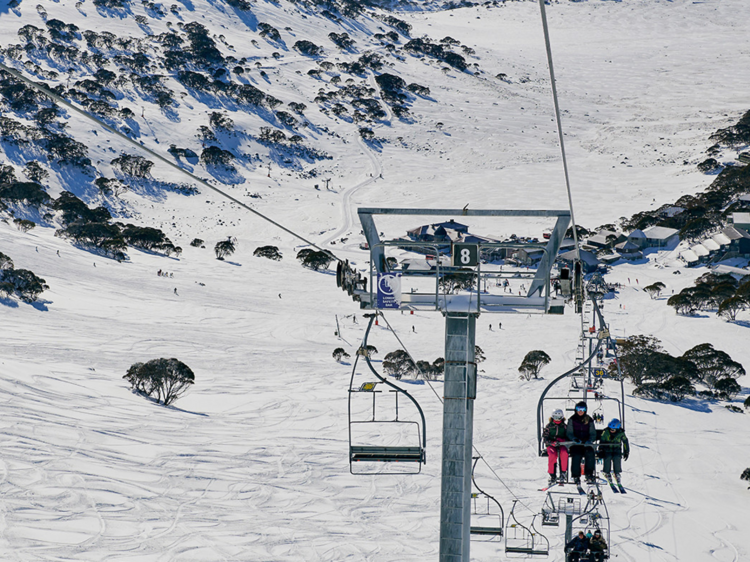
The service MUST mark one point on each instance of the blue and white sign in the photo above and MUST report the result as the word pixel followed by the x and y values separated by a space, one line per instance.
pixel 389 290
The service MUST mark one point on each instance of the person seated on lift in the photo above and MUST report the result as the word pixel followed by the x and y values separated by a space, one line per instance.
pixel 577 547
pixel 614 448
pixel 582 431
pixel 597 547
pixel 555 432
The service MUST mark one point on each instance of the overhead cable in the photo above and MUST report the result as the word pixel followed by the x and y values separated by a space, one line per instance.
pixel 204 183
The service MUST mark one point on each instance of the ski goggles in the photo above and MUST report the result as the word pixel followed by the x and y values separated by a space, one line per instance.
pixel 580 409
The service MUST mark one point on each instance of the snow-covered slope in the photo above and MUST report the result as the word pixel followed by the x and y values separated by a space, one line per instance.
pixel 251 463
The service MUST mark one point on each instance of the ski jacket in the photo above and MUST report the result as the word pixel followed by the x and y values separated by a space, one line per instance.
pixel 577 544
pixel 614 442
pixel 597 545
pixel 581 428
pixel 555 432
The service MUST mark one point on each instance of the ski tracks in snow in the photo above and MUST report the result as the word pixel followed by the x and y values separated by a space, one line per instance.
pixel 347 210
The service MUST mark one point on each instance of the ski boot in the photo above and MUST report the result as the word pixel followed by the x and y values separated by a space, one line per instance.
pixel 577 480
pixel 617 479
pixel 552 480
pixel 590 479
pixel 563 477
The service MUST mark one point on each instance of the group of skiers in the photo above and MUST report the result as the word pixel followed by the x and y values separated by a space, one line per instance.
pixel 586 546
pixel 576 439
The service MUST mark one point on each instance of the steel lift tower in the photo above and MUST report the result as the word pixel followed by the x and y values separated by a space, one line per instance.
pixel 483 290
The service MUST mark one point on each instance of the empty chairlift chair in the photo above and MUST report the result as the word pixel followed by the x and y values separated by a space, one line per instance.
pixel 378 430
pixel 487 516
pixel 523 540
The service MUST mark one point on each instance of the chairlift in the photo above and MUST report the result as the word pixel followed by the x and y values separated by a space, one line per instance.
pixel 520 539
pixel 603 397
pixel 487 515
pixel 594 517
pixel 370 445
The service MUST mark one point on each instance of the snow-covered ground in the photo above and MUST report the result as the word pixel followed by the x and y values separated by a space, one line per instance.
pixel 251 464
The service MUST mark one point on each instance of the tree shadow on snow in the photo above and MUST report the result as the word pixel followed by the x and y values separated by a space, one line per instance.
pixel 41 306
pixel 9 302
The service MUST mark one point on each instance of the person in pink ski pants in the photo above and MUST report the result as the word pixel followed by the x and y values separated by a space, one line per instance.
pixel 554 433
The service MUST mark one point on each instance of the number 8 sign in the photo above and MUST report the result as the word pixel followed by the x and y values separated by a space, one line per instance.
pixel 465 255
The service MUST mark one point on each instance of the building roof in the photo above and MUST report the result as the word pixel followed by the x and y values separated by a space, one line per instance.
pixel 710 245
pixel 671 211
pixel 589 258
pixel 735 233
pixel 627 247
pixel 734 271
pixel 700 250
pixel 659 232
pixel 637 233
pixel 741 218
pixel 689 256
pixel 721 239
pixel 598 239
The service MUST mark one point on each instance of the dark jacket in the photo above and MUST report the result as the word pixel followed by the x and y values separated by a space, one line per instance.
pixel 578 544
pixel 581 428
pixel 597 545
pixel 614 443
pixel 554 431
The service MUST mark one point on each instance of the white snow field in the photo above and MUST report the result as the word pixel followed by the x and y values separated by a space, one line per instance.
pixel 251 464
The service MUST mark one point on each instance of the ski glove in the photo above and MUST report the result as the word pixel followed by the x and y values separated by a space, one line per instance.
pixel 625 456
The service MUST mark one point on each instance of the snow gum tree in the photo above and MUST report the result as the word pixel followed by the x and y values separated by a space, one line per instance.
pixel 225 248
pixel 655 289
pixel 533 363
pixel 162 379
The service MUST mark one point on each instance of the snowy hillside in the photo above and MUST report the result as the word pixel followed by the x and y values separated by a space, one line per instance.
pixel 251 464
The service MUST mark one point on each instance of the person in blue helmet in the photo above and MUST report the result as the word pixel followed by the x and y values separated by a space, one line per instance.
pixel 613 448
pixel 582 432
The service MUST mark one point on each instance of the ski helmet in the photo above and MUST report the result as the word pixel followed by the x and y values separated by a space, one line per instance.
pixel 614 424
pixel 558 414
pixel 588 535
pixel 581 406
pixel 597 533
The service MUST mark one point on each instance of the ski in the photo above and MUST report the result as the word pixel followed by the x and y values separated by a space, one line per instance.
pixel 612 486
pixel 580 489
pixel 620 487
pixel 551 486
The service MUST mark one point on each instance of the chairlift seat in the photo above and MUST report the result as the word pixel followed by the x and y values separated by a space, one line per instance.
pixel 386 454
pixel 525 550
pixel 493 531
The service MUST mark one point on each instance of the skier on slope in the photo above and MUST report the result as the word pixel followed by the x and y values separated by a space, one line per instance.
pixel 581 430
pixel 597 547
pixel 577 547
pixel 614 448
pixel 554 433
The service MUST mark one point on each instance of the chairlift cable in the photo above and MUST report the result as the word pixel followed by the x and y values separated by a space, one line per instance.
pixel 63 101
pixel 559 124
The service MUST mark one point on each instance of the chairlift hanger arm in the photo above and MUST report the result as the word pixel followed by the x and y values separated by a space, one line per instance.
pixel 396 387
pixel 473 480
